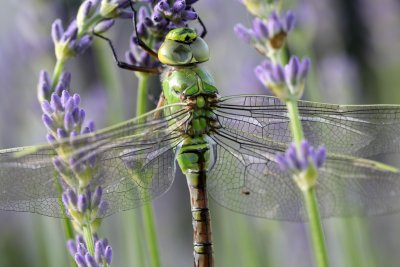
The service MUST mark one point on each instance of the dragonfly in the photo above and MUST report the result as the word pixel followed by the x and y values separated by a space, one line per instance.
pixel 226 148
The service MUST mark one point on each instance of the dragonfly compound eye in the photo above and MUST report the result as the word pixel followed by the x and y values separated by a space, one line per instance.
pixel 175 53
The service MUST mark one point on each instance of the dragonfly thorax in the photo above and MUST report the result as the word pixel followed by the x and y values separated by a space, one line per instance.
pixel 195 87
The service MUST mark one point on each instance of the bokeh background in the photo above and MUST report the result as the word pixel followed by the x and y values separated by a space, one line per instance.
pixel 355 49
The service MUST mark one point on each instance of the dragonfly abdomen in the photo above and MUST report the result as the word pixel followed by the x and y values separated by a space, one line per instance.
pixel 194 157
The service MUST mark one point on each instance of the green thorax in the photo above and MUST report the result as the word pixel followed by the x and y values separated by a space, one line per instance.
pixel 195 86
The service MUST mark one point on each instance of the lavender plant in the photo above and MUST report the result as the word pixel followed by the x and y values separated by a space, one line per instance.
pixel 268 37
pixel 64 120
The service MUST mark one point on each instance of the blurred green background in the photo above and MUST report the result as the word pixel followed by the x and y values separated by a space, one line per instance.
pixel 355 48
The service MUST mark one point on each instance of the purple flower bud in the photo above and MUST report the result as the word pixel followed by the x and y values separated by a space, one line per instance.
pixel 68 121
pixel 130 58
pixel 76 115
pixel 65 201
pixel 162 6
pixel 83 12
pixel 98 251
pixel 108 255
pixel 81 248
pixel 90 260
pixel 46 108
pixel 65 96
pixel 82 115
pixel 104 25
pixel 82 203
pixel 77 99
pixel 304 68
pixel 80 260
pixel 179 6
pixel 320 157
pixel 50 138
pixel 189 15
pixel 91 126
pixel 289 21
pixel 157 16
pixel 44 85
pixel 260 29
pixel 56 31
pixel 72 197
pixel 142 14
pixel 49 122
pixel 277 74
pixel 306 151
pixel 59 165
pixel 71 246
pixel 55 102
pixel 282 162
pixel 274 24
pixel 70 105
pixel 243 33
pixel 60 87
pixel 84 43
pixel 292 70
pixel 105 242
pixel 71 32
pixel 65 78
pixel 61 133
pixel 97 197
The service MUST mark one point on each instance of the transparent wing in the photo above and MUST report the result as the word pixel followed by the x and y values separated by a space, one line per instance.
pixel 246 179
pixel 135 163
pixel 362 131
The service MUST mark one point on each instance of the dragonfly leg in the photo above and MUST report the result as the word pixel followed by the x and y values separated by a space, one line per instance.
pixel 139 41
pixel 204 31
pixel 124 65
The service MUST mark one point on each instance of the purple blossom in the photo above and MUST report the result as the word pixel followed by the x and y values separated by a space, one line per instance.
pixel 296 161
pixel 102 254
pixel 284 81
pixel 267 35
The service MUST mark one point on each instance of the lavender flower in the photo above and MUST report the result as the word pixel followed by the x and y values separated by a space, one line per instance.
pixel 102 255
pixel 302 162
pixel 285 82
pixel 267 36
pixel 65 120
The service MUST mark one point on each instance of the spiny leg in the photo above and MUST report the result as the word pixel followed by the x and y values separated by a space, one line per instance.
pixel 124 65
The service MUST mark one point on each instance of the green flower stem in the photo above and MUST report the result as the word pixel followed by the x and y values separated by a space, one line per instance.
pixel 88 236
pixel 315 226
pixel 310 198
pixel 58 68
pixel 148 217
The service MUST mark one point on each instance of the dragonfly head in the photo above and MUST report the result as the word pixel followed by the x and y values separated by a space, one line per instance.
pixel 182 46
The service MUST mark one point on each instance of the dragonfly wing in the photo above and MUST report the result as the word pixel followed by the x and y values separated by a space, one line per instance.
pixel 28 183
pixel 134 165
pixel 357 130
pixel 245 178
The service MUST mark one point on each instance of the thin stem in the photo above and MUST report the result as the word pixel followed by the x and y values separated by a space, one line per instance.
pixel 315 226
pixel 141 98
pixel 88 236
pixel 148 217
pixel 58 68
pixel 295 124
pixel 310 198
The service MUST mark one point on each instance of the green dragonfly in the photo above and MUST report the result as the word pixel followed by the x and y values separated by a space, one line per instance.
pixel 225 146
